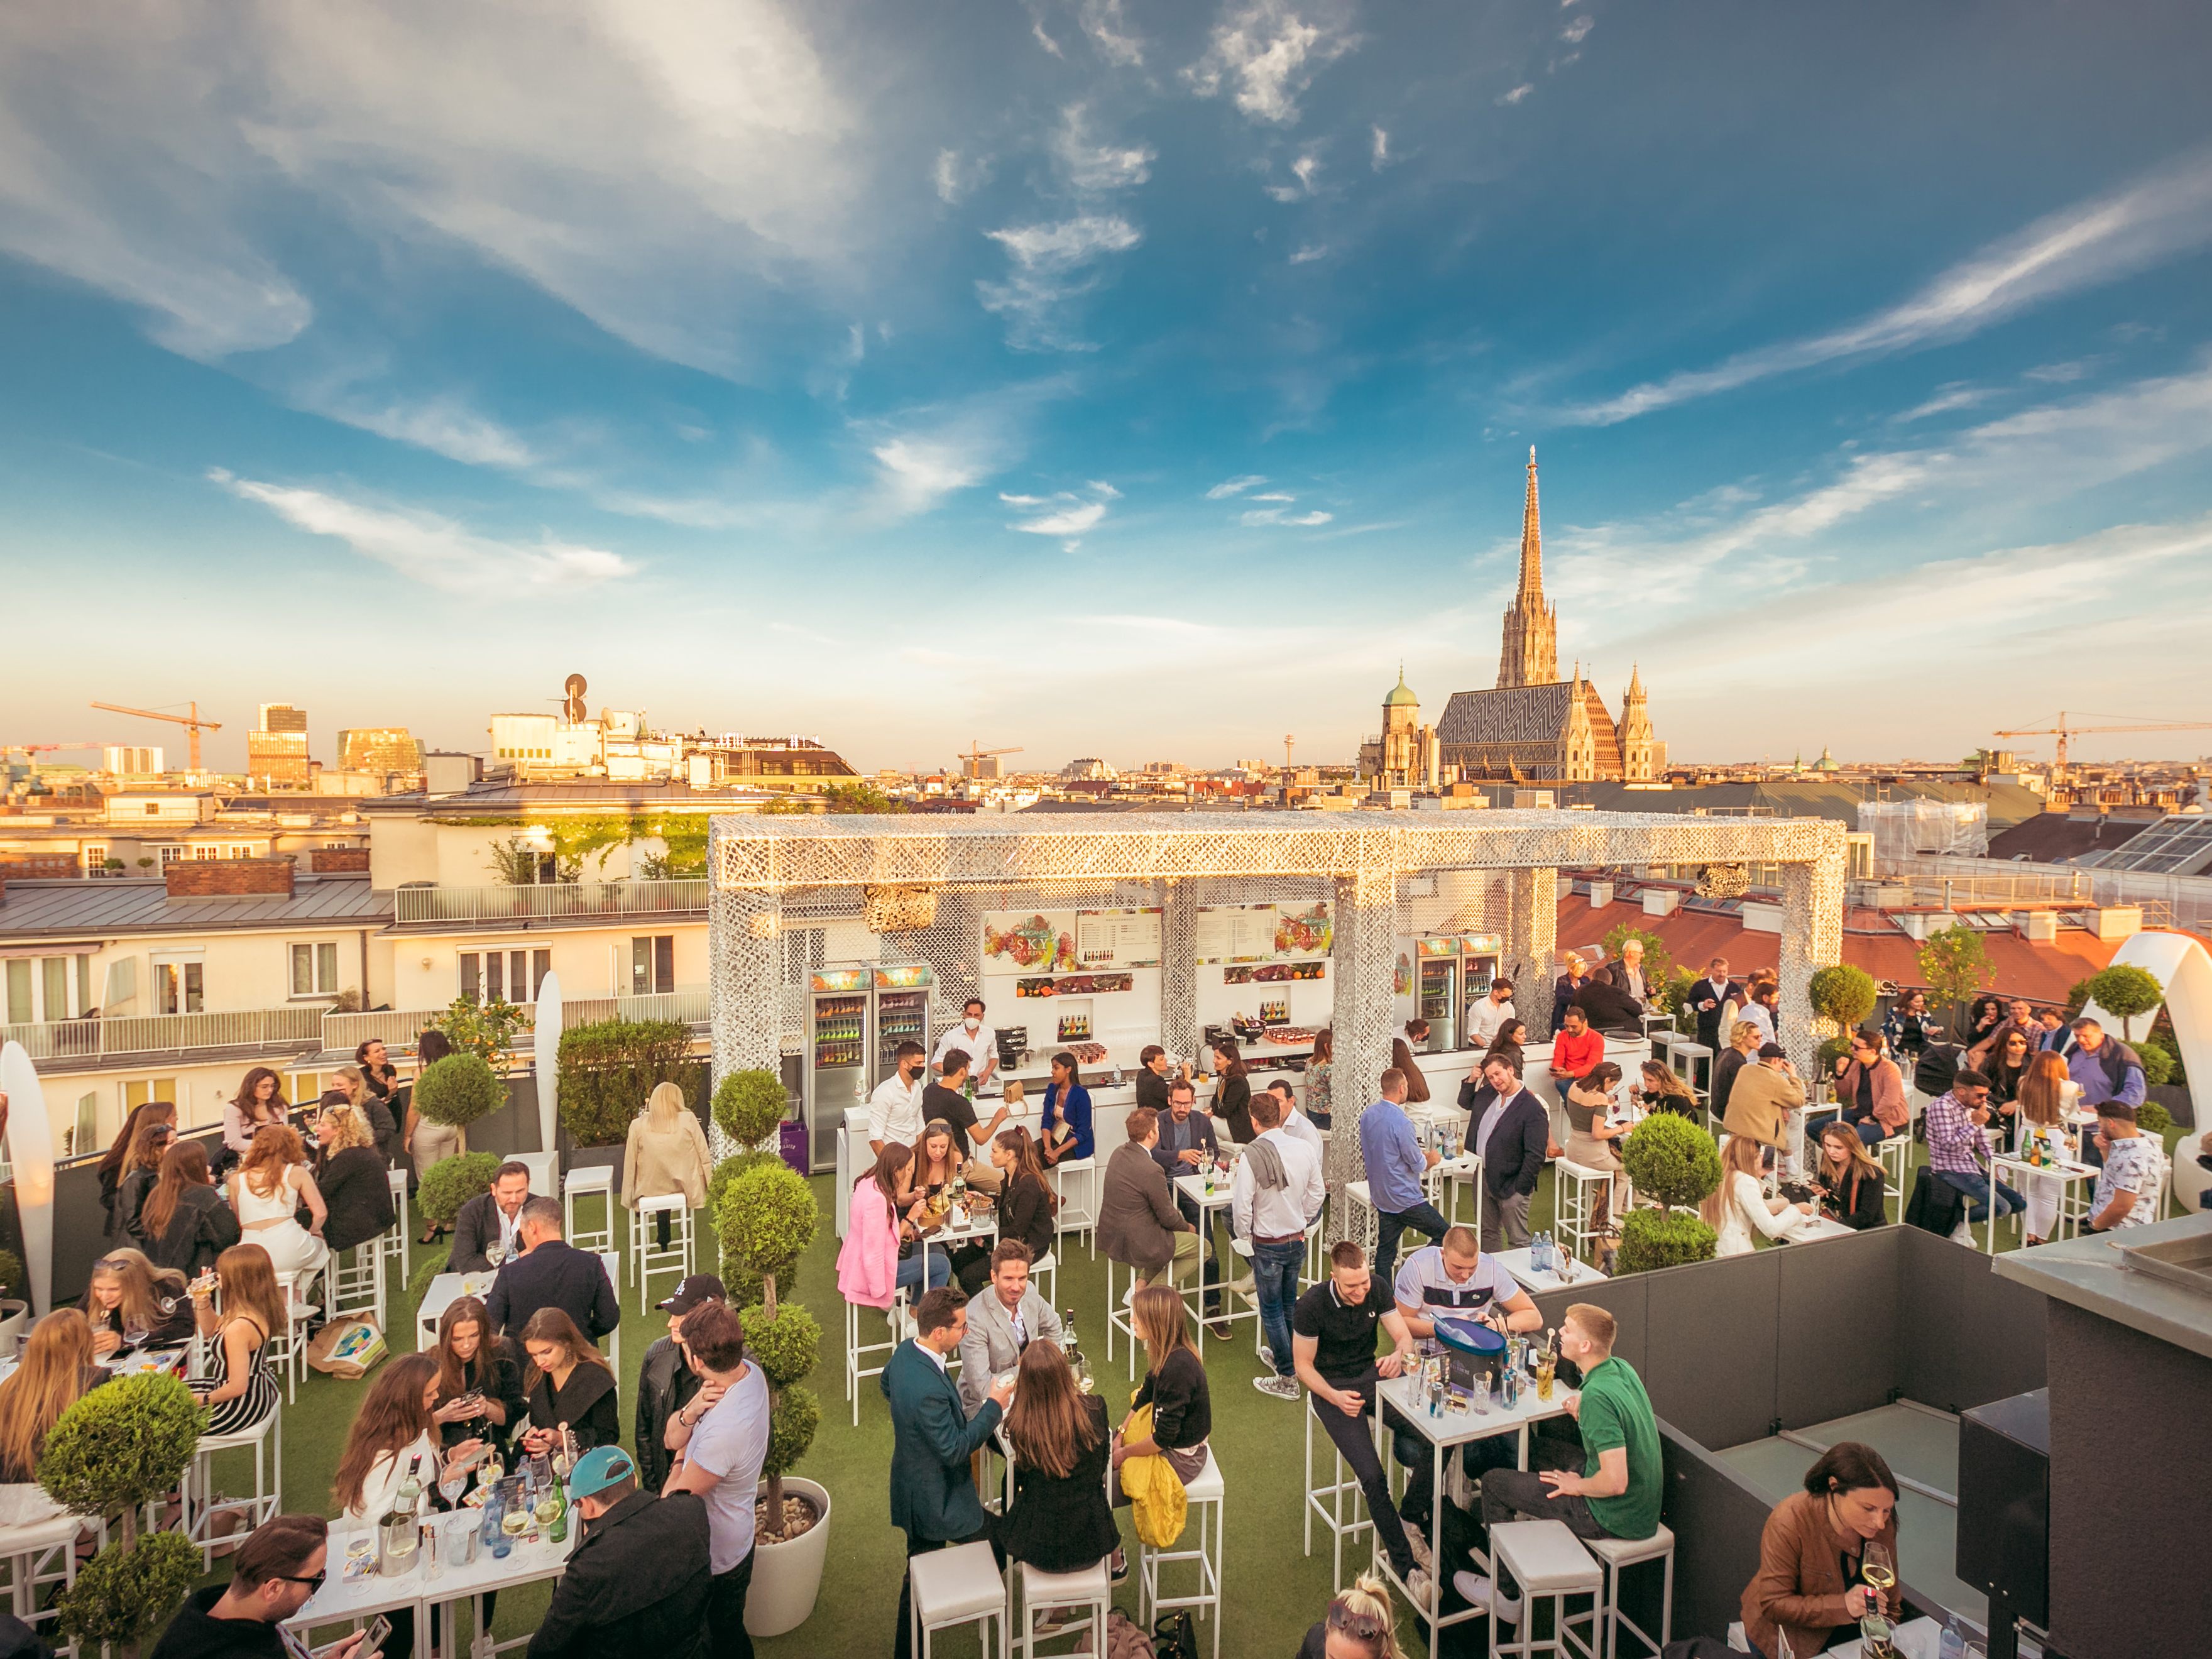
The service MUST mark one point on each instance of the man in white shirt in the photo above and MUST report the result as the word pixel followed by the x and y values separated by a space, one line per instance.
pixel 895 1109
pixel 1296 1122
pixel 979 1041
pixel 1484 1017
pixel 720 1440
pixel 1274 1197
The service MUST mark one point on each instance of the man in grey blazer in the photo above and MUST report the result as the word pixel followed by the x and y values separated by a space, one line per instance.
pixel 1001 1322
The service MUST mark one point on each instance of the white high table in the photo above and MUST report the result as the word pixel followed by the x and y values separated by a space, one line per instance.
pixel 1517 1263
pixel 1194 1189
pixel 1444 1433
pixel 338 1602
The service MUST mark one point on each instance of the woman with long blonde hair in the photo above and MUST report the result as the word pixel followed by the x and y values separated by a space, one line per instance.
pixel 1175 1387
pixel 239 1388
pixel 666 1152
pixel 1060 1520
pixel 1739 1206
pixel 1661 1089
pixel 1358 1625
pixel 131 1304
pixel 55 1372
pixel 353 1179
pixel 1743 1041
pixel 271 1184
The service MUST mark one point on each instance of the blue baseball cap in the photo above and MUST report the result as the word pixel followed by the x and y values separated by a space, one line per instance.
pixel 597 1469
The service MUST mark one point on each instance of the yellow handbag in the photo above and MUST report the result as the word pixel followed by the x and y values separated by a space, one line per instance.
pixel 1156 1495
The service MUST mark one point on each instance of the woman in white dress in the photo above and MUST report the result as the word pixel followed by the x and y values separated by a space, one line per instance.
pixel 268 1189
pixel 1740 1205
pixel 2046 1092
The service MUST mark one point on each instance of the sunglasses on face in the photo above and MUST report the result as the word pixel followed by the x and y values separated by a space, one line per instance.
pixel 313 1584
pixel 1359 1626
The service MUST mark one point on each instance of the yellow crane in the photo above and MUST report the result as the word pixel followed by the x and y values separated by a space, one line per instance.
pixel 2061 731
pixel 191 722
pixel 971 758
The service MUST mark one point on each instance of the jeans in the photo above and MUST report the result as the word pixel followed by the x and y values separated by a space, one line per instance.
pixel 915 1544
pixel 1390 1225
pixel 1275 1275
pixel 726 1612
pixel 1354 1438
pixel 1975 1189
pixel 910 1269
pixel 1505 1221
pixel 1871 1130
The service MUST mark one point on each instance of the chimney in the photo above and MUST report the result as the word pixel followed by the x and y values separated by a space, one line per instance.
pixel 196 879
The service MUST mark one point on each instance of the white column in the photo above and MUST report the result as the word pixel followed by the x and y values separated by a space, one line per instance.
pixel 1360 961
pixel 1179 1032
pixel 1812 937
pixel 1532 944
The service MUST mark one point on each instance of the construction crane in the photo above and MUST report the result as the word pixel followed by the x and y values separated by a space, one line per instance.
pixel 31 752
pixel 191 722
pixel 2061 731
pixel 971 758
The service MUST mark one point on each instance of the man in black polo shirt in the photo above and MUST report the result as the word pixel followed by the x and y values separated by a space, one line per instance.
pixel 1333 1338
pixel 949 1101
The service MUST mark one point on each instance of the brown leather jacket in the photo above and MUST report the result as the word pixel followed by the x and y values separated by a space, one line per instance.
pixel 1800 1583
pixel 1891 1109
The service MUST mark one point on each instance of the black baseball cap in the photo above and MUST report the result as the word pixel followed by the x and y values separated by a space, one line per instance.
pixel 1766 1051
pixel 698 1289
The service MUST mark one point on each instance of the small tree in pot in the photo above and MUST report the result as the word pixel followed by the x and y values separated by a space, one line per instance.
pixel 2126 992
pixel 765 1220
pixel 110 1455
pixel 458 1090
pixel 1670 1159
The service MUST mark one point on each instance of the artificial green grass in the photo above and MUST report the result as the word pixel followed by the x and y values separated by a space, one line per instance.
pixel 1273 1590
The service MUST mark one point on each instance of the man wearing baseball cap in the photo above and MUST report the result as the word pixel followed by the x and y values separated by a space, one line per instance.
pixel 1765 1095
pixel 666 1381
pixel 636 1582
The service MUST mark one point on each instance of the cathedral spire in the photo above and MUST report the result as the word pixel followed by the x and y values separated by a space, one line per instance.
pixel 1532 544
pixel 1530 653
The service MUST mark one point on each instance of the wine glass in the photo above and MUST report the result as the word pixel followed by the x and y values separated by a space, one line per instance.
pixel 495 1254
pixel 452 1484
pixel 1878 1567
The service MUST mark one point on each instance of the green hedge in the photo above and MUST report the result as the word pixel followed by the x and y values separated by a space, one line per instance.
pixel 609 1066
pixel 452 1182
pixel 458 1090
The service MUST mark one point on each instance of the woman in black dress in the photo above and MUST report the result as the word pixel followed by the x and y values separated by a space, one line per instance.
pixel 141 1168
pixel 1232 1094
pixel 1850 1181
pixel 568 1382
pixel 1175 1387
pixel 1025 1203
pixel 480 1393
pixel 1059 1521
pixel 184 1223
pixel 112 1165
pixel 352 1179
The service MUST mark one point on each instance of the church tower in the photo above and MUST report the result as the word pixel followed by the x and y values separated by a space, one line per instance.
pixel 1637 746
pixel 1530 656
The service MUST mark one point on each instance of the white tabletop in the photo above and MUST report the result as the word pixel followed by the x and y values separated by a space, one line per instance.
pixel 2066 1170
pixel 1453 1428
pixel 1823 1226
pixel 340 1602
pixel 1516 1262
pixel 978 1225
pixel 1916 1639
pixel 1194 1189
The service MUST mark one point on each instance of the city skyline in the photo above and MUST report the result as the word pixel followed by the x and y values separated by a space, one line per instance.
pixel 1107 378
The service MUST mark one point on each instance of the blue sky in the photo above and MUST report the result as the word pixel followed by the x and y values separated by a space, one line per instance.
pixel 1105 376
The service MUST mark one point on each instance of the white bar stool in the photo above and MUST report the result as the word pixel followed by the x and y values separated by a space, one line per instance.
pixel 400 1240
pixel 1044 1273
pixel 1614 1557
pixel 267 1441
pixel 545 1171
pixel 1119 1314
pixel 1693 1064
pixel 959 1586
pixel 1360 1223
pixel 1204 1493
pixel 648 1259
pixel 1077 1185
pixel 1087 1590
pixel 290 1349
pixel 357 1279
pixel 1894 1154
pixel 1575 1191
pixel 587 1178
pixel 26 1549
pixel 857 1352
pixel 1547 1563
pixel 1340 1482
pixel 610 1265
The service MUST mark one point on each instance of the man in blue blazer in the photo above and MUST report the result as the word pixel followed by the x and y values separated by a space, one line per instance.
pixel 932 1492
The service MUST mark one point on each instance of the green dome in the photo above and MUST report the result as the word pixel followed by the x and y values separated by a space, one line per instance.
pixel 1401 695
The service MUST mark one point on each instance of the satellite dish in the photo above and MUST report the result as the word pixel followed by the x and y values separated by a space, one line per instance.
pixel 573 706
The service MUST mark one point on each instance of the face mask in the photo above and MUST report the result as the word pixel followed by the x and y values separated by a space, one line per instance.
pixel 974 1025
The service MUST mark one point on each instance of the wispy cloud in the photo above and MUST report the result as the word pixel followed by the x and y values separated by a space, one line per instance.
pixel 919 472
pixel 957 177
pixel 1278 515
pixel 1303 170
pixel 1229 487
pixel 2078 248
pixel 1052 266
pixel 426 548
pixel 1379 153
pixel 1090 166
pixel 1946 399
pixel 1265 54
pixel 1308 254
pixel 1517 93
pixel 1574 32
pixel 1274 495
pixel 1103 22
pixel 444 425
pixel 1064 513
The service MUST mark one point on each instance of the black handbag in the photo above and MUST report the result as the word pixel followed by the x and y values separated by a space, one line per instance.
pixel 1174 1636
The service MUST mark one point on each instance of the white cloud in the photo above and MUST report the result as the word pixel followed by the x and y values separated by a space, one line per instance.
pixel 433 550
pixel 1382 151
pixel 2063 373
pixel 1311 251
pixel 1267 54
pixel 919 472
pixel 1069 516
pixel 1574 32
pixel 1946 399
pixel 1229 487
pixel 1090 166
pixel 1274 495
pixel 957 177
pixel 1109 31
pixel 1104 490
pixel 443 425
pixel 1050 269
pixel 1303 169
pixel 1283 516
pixel 1070 521
pixel 1517 94
pixel 2078 248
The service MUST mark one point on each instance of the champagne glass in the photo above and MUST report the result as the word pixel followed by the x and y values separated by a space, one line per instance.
pixel 1878 1567
pixel 495 1254
pixel 452 1484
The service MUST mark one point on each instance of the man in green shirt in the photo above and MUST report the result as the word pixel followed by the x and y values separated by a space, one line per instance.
pixel 1617 1494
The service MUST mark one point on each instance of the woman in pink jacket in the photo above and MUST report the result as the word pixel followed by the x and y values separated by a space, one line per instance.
pixel 873 1263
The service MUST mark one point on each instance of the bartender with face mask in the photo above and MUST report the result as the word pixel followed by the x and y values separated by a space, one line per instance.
pixel 972 1036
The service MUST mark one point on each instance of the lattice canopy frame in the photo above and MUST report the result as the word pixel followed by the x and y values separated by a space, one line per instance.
pixel 1387 873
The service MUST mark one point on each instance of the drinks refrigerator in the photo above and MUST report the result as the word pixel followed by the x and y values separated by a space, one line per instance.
pixel 1445 975
pixel 856 1019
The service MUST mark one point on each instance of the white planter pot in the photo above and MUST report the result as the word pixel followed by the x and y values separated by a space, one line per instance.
pixel 787 1576
pixel 15 1325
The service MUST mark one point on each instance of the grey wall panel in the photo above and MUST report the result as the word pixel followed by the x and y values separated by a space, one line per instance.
pixel 1718 1520
pixel 1931 1291
pixel 1626 1299
pixel 1712 1346
pixel 1838 1336
pixel 1997 1349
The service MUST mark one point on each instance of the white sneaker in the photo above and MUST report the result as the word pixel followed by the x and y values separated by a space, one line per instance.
pixel 1481 1593
pixel 1963 1234
pixel 1282 1388
pixel 1422 1588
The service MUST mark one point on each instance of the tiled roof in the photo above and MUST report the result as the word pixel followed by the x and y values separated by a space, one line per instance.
pixel 1519 714
pixel 95 909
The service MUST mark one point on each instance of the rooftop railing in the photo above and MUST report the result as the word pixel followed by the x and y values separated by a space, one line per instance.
pixel 434 906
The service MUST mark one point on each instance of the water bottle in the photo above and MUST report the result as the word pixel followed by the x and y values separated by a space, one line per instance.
pixel 1953 1643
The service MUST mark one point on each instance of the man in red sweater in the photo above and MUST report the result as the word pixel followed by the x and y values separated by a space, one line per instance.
pixel 1575 1050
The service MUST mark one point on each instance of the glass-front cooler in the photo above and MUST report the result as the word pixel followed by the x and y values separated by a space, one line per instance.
pixel 1438 1000
pixel 902 994
pixel 837 1048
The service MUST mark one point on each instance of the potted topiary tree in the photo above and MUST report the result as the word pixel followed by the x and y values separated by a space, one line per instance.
pixel 15 1314
pixel 765 1219
pixel 114 1451
pixel 1674 1162
pixel 2125 992
pixel 458 1090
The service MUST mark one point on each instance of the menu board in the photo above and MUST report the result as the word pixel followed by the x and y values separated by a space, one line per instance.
pixel 1029 942
pixel 1235 933
pixel 1117 939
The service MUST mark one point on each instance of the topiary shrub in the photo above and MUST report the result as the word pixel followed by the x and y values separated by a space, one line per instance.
pixel 458 1090
pixel 1671 1161
pixel 452 1182
pixel 2151 1117
pixel 110 1454
pixel 748 1105
pixel 11 1273
pixel 1651 1239
pixel 1842 993
pixel 608 1068
pixel 2125 992
pixel 765 1220
pixel 2158 1067
pixel 1833 1049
